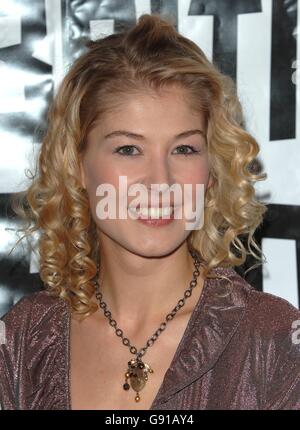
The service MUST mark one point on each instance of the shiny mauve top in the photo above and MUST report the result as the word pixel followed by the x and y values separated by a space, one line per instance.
pixel 237 352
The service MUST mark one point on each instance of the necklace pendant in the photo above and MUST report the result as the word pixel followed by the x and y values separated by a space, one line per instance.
pixel 137 374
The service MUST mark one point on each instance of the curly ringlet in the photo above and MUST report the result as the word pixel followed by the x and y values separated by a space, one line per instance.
pixel 150 56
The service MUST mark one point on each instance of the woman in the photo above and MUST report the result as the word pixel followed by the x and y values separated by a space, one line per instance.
pixel 146 105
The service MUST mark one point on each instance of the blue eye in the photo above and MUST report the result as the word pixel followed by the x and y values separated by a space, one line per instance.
pixel 129 148
pixel 193 150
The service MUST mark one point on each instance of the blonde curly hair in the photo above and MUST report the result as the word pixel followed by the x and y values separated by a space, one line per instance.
pixel 150 55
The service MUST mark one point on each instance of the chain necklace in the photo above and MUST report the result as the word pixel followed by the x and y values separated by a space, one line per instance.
pixel 137 370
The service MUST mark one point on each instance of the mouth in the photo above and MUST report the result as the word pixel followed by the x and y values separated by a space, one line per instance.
pixel 166 212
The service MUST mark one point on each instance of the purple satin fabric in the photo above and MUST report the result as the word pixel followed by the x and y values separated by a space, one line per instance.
pixel 237 352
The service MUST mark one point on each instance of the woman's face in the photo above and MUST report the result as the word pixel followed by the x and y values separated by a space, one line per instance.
pixel 158 157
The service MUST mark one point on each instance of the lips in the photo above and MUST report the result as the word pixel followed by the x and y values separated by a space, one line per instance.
pixel 160 206
pixel 165 212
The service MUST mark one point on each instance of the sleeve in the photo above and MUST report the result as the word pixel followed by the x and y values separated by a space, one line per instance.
pixel 283 357
pixel 14 325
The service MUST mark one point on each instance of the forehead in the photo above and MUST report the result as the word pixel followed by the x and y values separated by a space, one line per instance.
pixel 152 111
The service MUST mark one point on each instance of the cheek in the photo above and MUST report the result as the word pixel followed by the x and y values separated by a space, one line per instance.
pixel 100 173
pixel 197 173
pixel 97 173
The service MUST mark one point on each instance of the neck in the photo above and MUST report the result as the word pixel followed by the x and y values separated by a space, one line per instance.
pixel 142 290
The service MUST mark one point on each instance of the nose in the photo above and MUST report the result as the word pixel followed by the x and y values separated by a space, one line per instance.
pixel 158 176
pixel 158 170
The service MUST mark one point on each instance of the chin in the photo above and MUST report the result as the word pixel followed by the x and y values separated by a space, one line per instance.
pixel 153 249
pixel 149 243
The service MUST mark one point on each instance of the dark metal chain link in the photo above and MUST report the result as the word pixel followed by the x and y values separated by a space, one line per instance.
pixel 162 326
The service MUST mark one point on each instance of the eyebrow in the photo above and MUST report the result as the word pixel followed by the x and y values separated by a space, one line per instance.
pixel 136 136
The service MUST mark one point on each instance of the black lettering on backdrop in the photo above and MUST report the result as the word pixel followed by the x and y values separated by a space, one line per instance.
pixel 19 57
pixel 284 52
pixel 225 28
